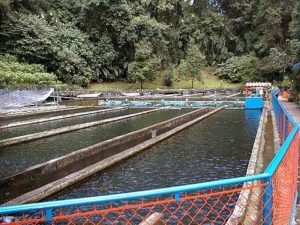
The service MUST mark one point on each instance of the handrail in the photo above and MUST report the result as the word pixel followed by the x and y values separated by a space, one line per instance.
pixel 281 153
pixel 285 146
pixel 285 111
pixel 130 195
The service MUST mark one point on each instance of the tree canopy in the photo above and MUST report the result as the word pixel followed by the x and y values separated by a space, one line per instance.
pixel 93 40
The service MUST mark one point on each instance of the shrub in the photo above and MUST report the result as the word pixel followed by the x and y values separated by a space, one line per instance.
pixel 15 74
pixel 239 69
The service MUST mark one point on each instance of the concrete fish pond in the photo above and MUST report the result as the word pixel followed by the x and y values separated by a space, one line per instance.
pixel 67 163
pixel 127 145
pixel 38 151
pixel 191 156
pixel 34 178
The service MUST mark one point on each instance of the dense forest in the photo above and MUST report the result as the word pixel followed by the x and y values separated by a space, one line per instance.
pixel 103 40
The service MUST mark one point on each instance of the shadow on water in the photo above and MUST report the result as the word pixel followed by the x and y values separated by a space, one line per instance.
pixel 217 147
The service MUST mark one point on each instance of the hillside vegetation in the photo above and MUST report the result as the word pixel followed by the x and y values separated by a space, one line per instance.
pixel 82 41
pixel 208 81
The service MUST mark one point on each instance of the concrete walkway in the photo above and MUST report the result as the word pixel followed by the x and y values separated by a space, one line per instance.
pixel 294 110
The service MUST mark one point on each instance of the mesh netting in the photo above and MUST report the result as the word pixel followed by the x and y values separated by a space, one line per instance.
pixel 212 206
pixel 285 185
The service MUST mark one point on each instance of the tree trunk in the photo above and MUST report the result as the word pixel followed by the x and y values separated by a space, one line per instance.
pixel 141 85
pixel 192 83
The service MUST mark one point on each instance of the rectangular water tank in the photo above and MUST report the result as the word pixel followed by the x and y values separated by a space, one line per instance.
pixel 254 103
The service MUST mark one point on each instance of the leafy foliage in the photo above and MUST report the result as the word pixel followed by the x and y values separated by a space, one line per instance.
pixel 169 76
pixel 145 64
pixel 239 69
pixel 190 67
pixel 83 41
pixel 15 74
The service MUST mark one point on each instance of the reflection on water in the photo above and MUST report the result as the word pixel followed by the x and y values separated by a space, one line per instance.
pixel 217 147
pixel 34 128
pixel 39 115
pixel 250 115
pixel 21 156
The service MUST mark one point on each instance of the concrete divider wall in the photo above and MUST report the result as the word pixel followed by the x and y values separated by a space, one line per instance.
pixel 55 169
pixel 53 118
pixel 62 130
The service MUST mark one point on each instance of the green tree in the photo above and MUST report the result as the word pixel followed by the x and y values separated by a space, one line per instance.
pixel 63 48
pixel 240 69
pixel 141 71
pixel 190 67
pixel 294 50
pixel 145 65
pixel 294 27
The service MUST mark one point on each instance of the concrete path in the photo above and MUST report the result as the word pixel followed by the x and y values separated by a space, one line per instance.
pixel 294 110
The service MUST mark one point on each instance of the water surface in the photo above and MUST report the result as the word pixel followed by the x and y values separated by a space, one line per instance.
pixel 39 127
pixel 215 148
pixel 17 157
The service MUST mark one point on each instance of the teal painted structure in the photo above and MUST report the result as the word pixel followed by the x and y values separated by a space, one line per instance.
pixel 165 103
pixel 254 103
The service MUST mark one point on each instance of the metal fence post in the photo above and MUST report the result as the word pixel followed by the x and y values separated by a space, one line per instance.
pixel 280 124
pixel 267 212
pixel 48 215
pixel 286 127
pixel 177 197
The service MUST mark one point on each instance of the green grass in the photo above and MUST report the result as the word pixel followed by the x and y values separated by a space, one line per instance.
pixel 208 81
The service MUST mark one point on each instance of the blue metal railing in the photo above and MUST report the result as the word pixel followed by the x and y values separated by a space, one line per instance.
pixel 48 207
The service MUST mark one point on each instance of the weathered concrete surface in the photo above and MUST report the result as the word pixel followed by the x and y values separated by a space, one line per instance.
pixel 39 110
pixel 22 123
pixel 154 219
pixel 294 110
pixel 255 164
pixel 91 163
pixel 275 133
pixel 53 132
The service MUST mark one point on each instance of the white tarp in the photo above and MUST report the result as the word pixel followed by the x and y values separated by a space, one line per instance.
pixel 17 98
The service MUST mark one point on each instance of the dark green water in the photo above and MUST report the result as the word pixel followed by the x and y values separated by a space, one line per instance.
pixel 18 157
pixel 34 128
pixel 217 147
pixel 46 114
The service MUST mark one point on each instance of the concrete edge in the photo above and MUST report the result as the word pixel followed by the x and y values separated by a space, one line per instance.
pixel 276 133
pixel 88 148
pixel 62 109
pixel 240 207
pixel 153 219
pixel 48 119
pixel 56 186
pixel 53 132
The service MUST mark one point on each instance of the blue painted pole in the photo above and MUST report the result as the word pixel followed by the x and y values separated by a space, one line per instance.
pixel 267 212
pixel 48 213
pixel 280 124
pixel 286 127
pixel 294 209
pixel 177 197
